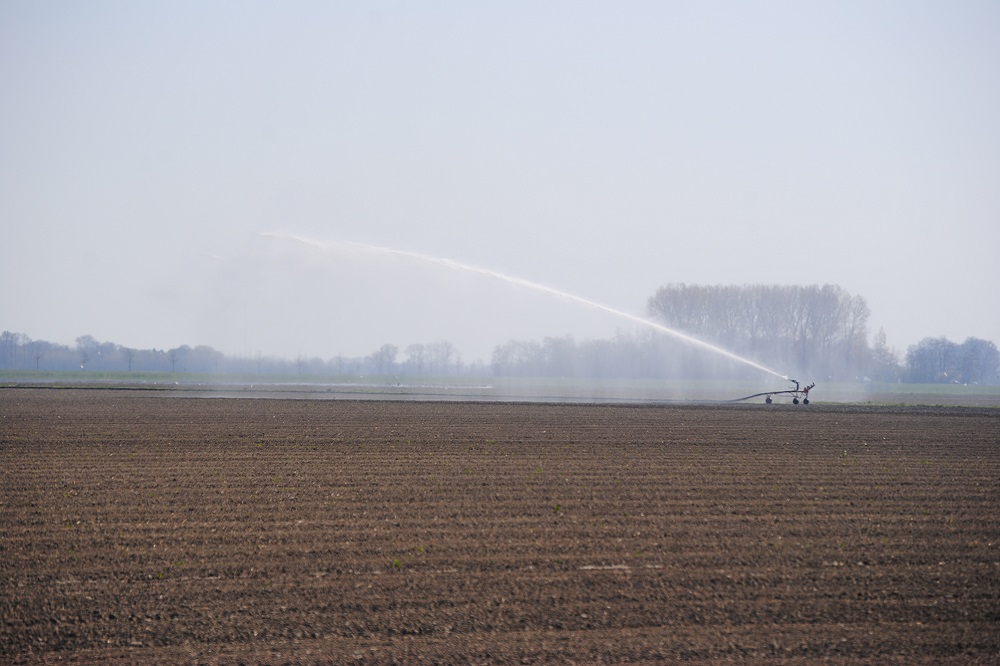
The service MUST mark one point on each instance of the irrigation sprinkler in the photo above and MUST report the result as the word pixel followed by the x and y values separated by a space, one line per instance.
pixel 798 394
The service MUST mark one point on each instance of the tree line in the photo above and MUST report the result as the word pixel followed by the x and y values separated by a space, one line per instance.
pixel 808 331
pixel 819 331
pixel 939 360
pixel 20 352
pixel 811 330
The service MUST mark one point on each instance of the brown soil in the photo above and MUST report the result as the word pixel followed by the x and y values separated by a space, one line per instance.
pixel 138 528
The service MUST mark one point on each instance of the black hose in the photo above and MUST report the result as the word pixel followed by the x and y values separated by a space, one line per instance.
pixel 757 395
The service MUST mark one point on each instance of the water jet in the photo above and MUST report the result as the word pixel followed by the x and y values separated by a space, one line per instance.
pixel 327 246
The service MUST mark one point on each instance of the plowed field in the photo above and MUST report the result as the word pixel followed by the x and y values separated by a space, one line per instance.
pixel 139 528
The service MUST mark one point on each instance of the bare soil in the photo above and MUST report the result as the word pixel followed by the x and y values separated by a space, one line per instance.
pixel 138 528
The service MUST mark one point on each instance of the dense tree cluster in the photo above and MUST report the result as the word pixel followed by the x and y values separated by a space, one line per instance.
pixel 813 330
pixel 938 360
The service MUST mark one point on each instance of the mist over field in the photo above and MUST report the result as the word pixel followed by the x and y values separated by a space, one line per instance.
pixel 348 300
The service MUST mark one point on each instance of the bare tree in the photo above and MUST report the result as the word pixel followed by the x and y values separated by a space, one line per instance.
pixel 933 360
pixel 384 358
pixel 415 354
pixel 518 358
pixel 885 363
pixel 441 356
pixel 9 343
pixel 855 331
pixel 980 361
pixel 85 346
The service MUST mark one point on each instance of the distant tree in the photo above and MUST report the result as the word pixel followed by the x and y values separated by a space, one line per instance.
pixel 518 358
pixel 129 355
pixel 683 306
pixel 884 363
pixel 854 334
pixel 86 346
pixel 559 356
pixel 442 357
pixel 933 360
pixel 8 349
pixel 415 354
pixel 58 357
pixel 980 361
pixel 13 346
pixel 501 361
pixel 384 357
pixel 203 358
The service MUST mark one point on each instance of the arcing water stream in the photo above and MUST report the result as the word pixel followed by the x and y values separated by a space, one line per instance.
pixel 520 282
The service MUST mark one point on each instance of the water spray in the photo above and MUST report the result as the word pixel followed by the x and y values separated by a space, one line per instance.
pixel 520 282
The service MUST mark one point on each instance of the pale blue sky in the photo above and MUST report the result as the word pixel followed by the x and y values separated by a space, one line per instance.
pixel 601 148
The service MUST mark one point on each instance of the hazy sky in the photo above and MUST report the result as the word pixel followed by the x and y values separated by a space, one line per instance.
pixel 604 149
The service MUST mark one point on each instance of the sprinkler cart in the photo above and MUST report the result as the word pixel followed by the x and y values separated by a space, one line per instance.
pixel 798 394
